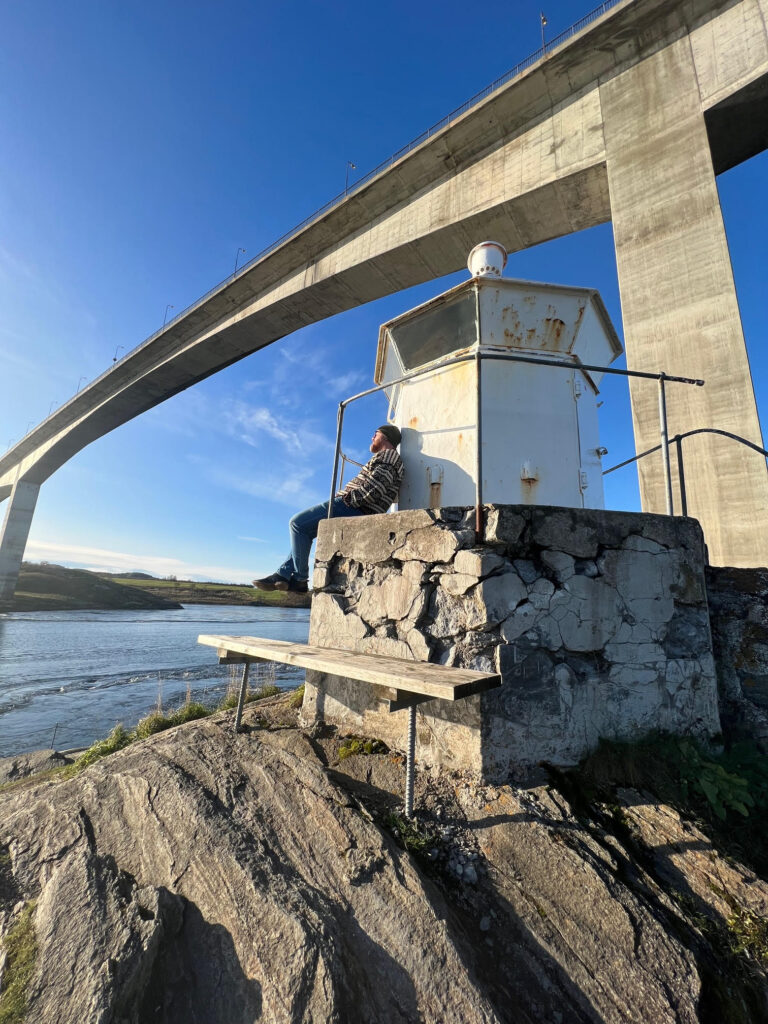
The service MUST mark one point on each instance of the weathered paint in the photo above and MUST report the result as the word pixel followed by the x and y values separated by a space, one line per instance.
pixel 536 416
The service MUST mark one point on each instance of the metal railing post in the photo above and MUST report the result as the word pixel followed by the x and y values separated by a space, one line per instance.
pixel 241 698
pixel 410 757
pixel 479 453
pixel 681 475
pixel 339 421
pixel 665 442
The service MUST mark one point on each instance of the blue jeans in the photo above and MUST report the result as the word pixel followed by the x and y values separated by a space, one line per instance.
pixel 303 527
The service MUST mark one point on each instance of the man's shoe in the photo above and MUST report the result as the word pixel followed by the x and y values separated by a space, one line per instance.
pixel 298 586
pixel 273 582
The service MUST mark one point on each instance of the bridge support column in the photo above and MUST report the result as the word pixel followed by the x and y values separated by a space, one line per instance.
pixel 13 537
pixel 679 302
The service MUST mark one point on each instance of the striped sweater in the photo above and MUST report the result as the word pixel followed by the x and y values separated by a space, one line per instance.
pixel 376 485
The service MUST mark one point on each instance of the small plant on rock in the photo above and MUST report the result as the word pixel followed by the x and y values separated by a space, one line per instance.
pixel 418 838
pixel 723 790
pixel 297 697
pixel 361 745
pixel 116 740
pixel 20 952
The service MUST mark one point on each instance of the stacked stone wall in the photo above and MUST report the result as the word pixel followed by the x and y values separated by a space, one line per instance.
pixel 738 606
pixel 597 622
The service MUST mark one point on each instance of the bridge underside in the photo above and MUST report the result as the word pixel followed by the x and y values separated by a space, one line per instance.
pixel 629 122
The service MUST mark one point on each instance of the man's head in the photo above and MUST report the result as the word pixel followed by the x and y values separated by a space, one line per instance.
pixel 386 436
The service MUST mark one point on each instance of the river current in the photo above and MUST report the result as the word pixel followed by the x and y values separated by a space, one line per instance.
pixel 66 678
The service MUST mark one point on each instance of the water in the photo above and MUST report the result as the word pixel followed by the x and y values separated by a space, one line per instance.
pixel 78 673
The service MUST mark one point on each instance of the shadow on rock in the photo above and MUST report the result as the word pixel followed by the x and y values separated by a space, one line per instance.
pixel 197 977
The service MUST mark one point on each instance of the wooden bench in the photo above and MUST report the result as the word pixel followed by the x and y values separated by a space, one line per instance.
pixel 405 683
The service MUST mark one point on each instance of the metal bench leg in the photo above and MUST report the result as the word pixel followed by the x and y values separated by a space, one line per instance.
pixel 411 757
pixel 241 698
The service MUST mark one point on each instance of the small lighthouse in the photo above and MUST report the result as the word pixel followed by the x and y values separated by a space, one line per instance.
pixel 536 422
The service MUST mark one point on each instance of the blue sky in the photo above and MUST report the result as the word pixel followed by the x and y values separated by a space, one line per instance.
pixel 142 146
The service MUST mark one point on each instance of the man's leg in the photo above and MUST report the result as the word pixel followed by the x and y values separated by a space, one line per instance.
pixel 303 530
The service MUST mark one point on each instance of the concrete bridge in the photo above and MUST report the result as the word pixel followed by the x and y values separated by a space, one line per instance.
pixel 628 121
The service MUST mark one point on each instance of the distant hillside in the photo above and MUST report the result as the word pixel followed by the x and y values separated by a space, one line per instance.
pixel 135 575
pixel 52 587
pixel 191 592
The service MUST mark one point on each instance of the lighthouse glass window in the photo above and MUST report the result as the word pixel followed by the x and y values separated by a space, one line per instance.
pixel 436 332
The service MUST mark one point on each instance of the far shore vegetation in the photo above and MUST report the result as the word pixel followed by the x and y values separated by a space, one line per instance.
pixel 49 587
pixel 191 592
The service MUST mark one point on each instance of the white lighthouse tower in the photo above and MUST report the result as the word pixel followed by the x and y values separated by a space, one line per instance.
pixel 536 423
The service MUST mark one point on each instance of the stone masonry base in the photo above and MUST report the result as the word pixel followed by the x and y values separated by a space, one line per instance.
pixel 597 622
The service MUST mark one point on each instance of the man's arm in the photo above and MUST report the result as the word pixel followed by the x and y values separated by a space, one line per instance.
pixel 376 485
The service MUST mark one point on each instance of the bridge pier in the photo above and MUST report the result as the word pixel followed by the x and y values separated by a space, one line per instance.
pixel 678 298
pixel 13 536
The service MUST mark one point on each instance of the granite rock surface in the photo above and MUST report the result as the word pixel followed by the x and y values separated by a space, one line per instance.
pixel 203 876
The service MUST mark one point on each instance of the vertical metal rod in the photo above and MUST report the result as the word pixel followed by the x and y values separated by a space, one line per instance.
pixel 411 757
pixel 681 476
pixel 339 422
pixel 479 453
pixel 241 698
pixel 665 442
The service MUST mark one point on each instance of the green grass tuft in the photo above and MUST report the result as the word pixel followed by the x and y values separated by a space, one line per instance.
pixel 417 838
pixel 190 712
pixel 157 721
pixel 361 745
pixel 116 740
pixel 152 723
pixel 21 951
pixel 297 697
pixel 259 693
pixel 749 934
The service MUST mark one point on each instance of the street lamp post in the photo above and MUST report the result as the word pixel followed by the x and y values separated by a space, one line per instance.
pixel 80 382
pixel 169 306
pixel 237 259
pixel 353 167
pixel 114 357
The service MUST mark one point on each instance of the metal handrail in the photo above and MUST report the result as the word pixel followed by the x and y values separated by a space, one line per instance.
pixel 357 185
pixel 677 440
pixel 478 356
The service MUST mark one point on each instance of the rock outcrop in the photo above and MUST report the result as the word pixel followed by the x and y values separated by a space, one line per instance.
pixel 203 876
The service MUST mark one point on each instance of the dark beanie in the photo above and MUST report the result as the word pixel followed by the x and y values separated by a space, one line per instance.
pixel 392 434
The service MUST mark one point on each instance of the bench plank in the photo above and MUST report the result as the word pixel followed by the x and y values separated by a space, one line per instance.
pixel 411 676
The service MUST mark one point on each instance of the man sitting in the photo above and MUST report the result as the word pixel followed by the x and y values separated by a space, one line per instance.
pixel 373 490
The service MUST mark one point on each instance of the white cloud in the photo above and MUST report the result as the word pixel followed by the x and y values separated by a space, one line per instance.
pixel 253 424
pixel 292 489
pixel 349 384
pixel 250 423
pixel 104 560
pixel 253 540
